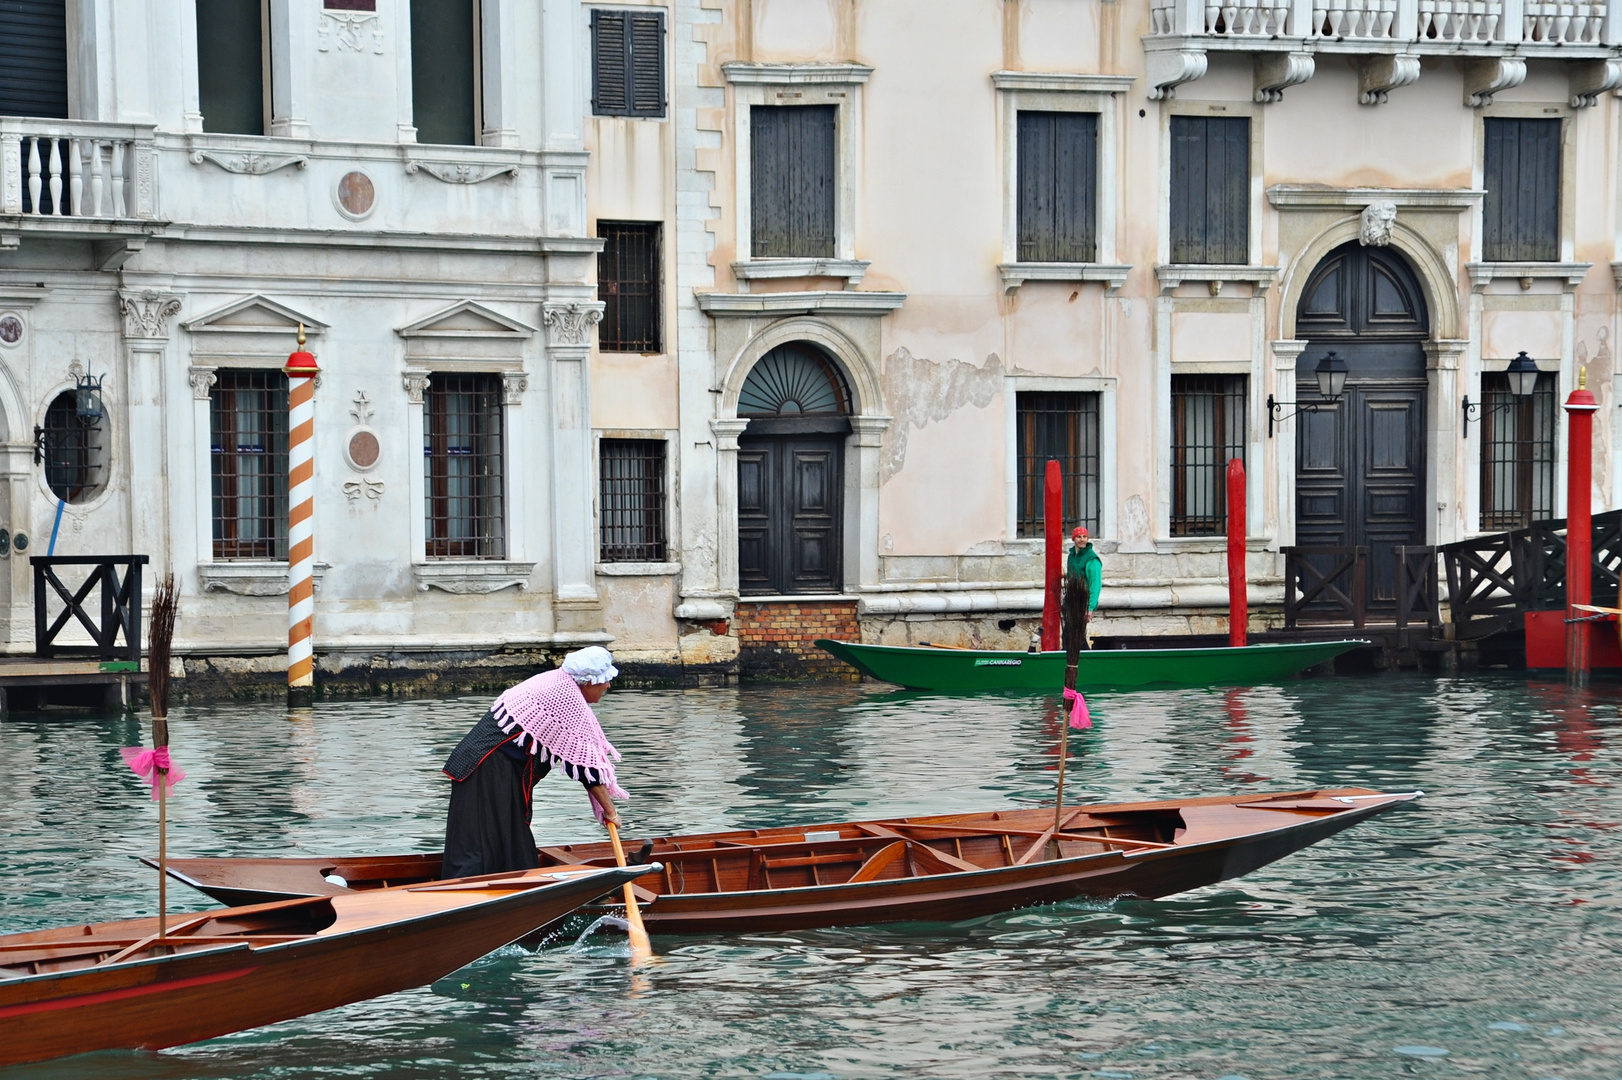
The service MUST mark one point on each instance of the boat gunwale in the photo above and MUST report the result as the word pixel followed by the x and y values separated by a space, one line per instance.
pixel 1224 650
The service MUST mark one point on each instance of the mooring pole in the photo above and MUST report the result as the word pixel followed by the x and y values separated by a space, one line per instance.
pixel 1053 530
pixel 1580 409
pixel 301 371
pixel 1238 601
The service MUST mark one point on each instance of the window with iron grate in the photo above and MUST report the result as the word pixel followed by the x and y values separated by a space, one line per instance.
pixel 73 451
pixel 463 465
pixel 1207 431
pixel 247 413
pixel 1517 453
pixel 1060 427
pixel 631 500
pixel 627 63
pixel 628 284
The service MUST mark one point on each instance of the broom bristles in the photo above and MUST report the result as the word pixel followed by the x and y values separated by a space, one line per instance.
pixel 164 609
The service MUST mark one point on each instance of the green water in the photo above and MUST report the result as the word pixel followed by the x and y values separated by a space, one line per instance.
pixel 1474 933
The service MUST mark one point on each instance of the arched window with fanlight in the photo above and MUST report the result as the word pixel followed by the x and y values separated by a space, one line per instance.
pixel 71 448
pixel 791 469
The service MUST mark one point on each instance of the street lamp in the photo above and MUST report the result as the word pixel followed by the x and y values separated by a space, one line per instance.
pixel 1331 375
pixel 1523 379
pixel 87 398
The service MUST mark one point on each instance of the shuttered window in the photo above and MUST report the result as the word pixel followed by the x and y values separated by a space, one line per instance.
pixel 628 285
pixel 231 65
pixel 1521 172
pixel 628 63
pixel 1207 431
pixel 792 169
pixel 631 500
pixel 1060 427
pixel 1210 189
pixel 1058 187
pixel 445 71
pixel 33 58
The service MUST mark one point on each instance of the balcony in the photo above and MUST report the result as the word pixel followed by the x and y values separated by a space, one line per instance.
pixel 1494 37
pixel 78 180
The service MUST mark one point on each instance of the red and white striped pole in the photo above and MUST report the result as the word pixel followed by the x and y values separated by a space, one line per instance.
pixel 301 371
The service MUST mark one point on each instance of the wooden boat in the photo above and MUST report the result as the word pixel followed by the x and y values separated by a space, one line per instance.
pixel 115 985
pixel 928 667
pixel 951 866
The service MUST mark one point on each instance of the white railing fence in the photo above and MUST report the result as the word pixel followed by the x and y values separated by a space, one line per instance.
pixel 1399 21
pixel 55 168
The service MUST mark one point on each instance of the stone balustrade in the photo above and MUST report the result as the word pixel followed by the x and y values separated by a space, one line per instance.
pixel 1393 22
pixel 76 169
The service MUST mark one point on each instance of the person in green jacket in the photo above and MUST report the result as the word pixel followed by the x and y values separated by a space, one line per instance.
pixel 1083 565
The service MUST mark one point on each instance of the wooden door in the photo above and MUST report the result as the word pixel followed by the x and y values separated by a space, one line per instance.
pixel 790 514
pixel 1360 461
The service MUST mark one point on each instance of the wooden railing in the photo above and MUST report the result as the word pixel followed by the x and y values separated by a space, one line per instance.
pixel 1493 579
pixel 1327 583
pixel 1419 589
pixel 120 606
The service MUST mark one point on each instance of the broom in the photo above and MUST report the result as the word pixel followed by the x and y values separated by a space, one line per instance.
pixel 164 609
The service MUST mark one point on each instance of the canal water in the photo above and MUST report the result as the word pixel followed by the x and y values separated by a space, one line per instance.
pixel 1477 932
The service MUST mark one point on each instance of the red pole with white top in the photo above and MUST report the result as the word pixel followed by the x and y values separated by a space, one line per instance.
pixel 1053 529
pixel 1238 602
pixel 301 371
pixel 1580 409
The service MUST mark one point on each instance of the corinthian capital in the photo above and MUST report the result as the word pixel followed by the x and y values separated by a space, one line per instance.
pixel 146 313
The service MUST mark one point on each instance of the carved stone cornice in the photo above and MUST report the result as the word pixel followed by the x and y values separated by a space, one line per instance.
pixel 1377 76
pixel 1591 78
pixel 250 164
pixel 1167 69
pixel 1314 197
pixel 1570 275
pixel 415 383
pixel 147 313
pixel 202 380
pixel 571 323
pixel 1171 275
pixel 1486 76
pixel 454 173
pixel 1276 72
pixel 472 577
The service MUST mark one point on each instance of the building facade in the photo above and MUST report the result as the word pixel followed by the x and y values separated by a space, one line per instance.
pixel 724 324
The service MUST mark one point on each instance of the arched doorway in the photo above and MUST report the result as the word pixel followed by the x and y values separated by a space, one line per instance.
pixel 791 475
pixel 1360 461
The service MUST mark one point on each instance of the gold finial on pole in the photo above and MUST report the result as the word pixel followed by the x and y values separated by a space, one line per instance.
pixel 1582 377
pixel 301 335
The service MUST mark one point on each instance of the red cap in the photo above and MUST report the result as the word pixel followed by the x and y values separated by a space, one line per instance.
pixel 1080 533
pixel 301 364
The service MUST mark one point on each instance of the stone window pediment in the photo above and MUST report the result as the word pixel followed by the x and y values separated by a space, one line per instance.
pixel 467 331
pixel 255 330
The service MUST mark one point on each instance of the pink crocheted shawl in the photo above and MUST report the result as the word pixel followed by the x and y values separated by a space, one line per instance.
pixel 552 715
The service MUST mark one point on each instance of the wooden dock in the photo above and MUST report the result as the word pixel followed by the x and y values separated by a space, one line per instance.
pixel 31 682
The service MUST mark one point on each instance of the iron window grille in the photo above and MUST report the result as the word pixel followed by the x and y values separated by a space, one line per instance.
pixel 628 63
pixel 71 449
pixel 628 284
pixel 1210 189
pixel 1517 453
pixel 1060 427
pixel 631 500
pixel 1057 176
pixel 1521 171
pixel 463 467
pixel 1208 429
pixel 247 413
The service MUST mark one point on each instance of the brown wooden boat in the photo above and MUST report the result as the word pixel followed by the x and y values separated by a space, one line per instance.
pixel 116 985
pixel 943 867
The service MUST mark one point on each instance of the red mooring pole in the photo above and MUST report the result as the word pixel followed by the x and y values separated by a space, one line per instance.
pixel 1238 602
pixel 1580 409
pixel 1053 528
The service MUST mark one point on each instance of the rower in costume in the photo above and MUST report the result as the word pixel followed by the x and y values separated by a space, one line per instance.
pixel 543 722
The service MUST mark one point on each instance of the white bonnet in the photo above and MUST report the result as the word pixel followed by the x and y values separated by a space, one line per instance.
pixel 593 664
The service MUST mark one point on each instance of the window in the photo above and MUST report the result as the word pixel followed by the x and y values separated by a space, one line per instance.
pixel 1517 453
pixel 1060 427
pixel 462 474
pixel 247 413
pixel 1058 169
pixel 34 58
pixel 1210 190
pixel 231 65
pixel 72 450
pixel 628 284
pixel 1521 172
pixel 628 63
pixel 792 164
pixel 1207 431
pixel 445 71
pixel 632 500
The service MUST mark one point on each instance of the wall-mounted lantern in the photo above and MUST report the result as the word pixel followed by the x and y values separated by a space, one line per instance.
pixel 1331 375
pixel 1523 379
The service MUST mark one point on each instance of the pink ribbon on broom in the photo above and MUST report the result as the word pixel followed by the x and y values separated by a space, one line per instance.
pixel 1079 716
pixel 147 763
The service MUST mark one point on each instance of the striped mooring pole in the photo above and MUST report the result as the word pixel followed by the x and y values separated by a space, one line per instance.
pixel 301 371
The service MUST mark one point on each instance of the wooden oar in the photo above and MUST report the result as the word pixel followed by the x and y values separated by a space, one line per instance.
pixel 641 947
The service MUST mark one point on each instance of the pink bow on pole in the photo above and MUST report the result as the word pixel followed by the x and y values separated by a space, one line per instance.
pixel 1079 716
pixel 147 764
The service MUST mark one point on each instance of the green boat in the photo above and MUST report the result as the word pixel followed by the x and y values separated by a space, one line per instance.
pixel 935 668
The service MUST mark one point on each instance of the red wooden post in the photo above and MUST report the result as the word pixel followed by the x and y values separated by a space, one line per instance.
pixel 1580 409
pixel 1238 602
pixel 1053 527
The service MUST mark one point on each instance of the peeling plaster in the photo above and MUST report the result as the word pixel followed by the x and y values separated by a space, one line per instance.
pixel 918 391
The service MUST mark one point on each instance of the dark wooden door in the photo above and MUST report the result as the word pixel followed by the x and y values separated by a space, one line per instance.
pixel 790 514
pixel 1360 461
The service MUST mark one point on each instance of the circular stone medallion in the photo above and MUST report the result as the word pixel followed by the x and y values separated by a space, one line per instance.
pixel 363 449
pixel 356 195
pixel 11 329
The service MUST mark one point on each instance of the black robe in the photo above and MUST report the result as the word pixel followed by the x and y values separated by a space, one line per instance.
pixel 487 826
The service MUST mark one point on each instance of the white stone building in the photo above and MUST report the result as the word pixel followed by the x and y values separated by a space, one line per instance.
pixel 864 265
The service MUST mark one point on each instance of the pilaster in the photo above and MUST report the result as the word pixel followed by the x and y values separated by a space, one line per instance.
pixel 1286 354
pixel 862 493
pixel 725 539
pixel 1445 494
pixel 146 346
